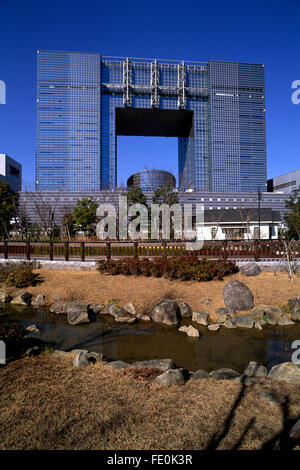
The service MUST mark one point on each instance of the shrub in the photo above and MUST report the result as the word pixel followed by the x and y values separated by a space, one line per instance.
pixel 17 274
pixel 183 268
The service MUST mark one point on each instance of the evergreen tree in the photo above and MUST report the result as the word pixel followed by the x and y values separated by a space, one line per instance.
pixel 293 217
pixel 8 208
pixel 84 215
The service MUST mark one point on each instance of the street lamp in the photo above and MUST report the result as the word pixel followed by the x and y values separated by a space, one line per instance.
pixel 258 204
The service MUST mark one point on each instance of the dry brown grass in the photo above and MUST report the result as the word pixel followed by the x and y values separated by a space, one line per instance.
pixel 93 287
pixel 47 404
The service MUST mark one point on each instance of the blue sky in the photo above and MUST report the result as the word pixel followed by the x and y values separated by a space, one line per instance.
pixel 265 31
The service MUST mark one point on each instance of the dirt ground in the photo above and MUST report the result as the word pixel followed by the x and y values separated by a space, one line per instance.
pixel 93 287
pixel 48 404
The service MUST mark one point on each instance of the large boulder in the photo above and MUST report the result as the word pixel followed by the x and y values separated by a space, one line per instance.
pixel 166 312
pixel 201 318
pixel 59 307
pixel 224 374
pixel 77 313
pixel 161 364
pixel 22 298
pixel 171 377
pixel 294 305
pixel 244 321
pixel 237 296
pixel 287 372
pixel 185 309
pixel 250 269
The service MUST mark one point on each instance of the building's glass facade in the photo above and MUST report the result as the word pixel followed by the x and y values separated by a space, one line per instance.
pixel 151 179
pixel 78 94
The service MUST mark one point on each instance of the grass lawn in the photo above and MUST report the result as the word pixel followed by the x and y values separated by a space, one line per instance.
pixel 48 404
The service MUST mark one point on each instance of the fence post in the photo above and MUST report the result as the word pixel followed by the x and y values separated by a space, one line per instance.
pixel 28 250
pixel 5 249
pixel 225 254
pixel 256 250
pixel 51 251
pixel 82 251
pixel 164 244
pixel 67 251
pixel 108 252
pixel 136 248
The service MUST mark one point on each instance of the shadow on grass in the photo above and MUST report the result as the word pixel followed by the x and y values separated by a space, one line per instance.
pixel 280 440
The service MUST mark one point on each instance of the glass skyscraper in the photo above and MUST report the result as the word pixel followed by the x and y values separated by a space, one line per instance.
pixel 216 110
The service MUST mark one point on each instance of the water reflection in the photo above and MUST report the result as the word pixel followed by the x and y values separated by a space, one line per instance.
pixel 142 341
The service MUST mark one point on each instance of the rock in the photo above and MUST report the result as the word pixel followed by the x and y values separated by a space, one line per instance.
pixel 268 397
pixel 201 318
pixel 61 354
pixel 261 311
pixel 283 321
pixel 171 377
pixel 4 296
pixel 183 329
pixel 33 351
pixel 287 371
pixel 118 365
pixel 185 309
pixel 125 319
pixel 255 370
pixel 224 374
pixel 257 325
pixel 250 269
pixel 59 307
pixel 130 308
pixel 39 300
pixel 77 313
pixel 84 359
pixel 161 364
pixel 143 317
pixel 193 332
pixel 230 323
pixel 270 319
pixel 32 329
pixel 166 312
pixel 114 311
pixel 23 298
pixel 96 308
pixel 294 305
pixel 223 318
pixel 237 296
pixel 214 327
pixel 200 374
pixel 244 321
pixel 224 311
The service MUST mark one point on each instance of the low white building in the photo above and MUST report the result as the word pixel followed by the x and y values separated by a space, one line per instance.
pixel 241 224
